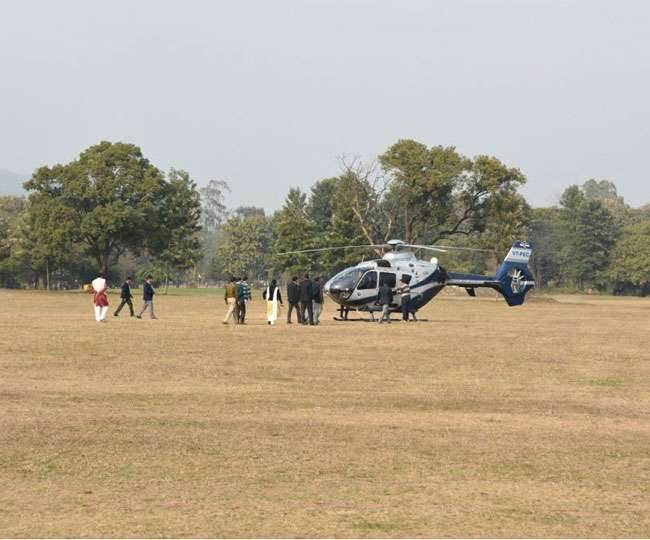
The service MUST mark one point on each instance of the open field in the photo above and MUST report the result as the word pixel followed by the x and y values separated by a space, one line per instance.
pixel 484 421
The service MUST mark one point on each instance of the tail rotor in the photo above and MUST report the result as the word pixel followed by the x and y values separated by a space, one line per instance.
pixel 514 277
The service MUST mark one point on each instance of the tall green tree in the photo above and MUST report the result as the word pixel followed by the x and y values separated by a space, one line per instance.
pixel 213 208
pixel 591 233
pixel 508 218
pixel 244 248
pixel 548 234
pixel 294 230
pixel 605 191
pixel 320 208
pixel 176 245
pixel 439 193
pixel 110 198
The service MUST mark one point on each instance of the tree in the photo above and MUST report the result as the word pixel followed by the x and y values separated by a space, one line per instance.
pixel 509 216
pixel 110 197
pixel 249 212
pixel 294 230
pixel 547 232
pixel 213 209
pixel 606 192
pixel 11 211
pixel 175 244
pixel 591 233
pixel 320 208
pixel 49 236
pixel 600 190
pixel 629 270
pixel 244 248
pixel 435 193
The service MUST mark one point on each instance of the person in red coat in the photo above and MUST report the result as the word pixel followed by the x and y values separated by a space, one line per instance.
pixel 100 298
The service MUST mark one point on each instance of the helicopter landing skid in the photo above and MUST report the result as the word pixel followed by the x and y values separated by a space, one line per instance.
pixel 359 319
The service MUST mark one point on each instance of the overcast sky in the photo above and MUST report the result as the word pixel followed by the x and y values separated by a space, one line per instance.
pixel 266 94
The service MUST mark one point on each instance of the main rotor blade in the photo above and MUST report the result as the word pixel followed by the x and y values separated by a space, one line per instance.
pixel 430 248
pixel 444 249
pixel 315 250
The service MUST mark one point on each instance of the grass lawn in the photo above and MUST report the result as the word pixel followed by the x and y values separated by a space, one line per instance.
pixel 484 421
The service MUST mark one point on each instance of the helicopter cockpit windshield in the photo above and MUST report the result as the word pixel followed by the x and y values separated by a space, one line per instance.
pixel 343 283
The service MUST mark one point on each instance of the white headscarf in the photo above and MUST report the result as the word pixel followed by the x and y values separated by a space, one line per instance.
pixel 99 283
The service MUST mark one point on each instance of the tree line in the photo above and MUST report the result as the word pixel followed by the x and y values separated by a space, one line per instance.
pixel 112 210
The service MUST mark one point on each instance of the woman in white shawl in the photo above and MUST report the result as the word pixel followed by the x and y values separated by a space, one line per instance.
pixel 100 298
pixel 273 297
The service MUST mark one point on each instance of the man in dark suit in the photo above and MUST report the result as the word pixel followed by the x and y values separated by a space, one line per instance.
pixel 126 297
pixel 384 299
pixel 293 297
pixel 306 299
pixel 318 299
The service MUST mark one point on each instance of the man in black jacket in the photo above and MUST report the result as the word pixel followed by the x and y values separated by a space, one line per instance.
pixel 384 299
pixel 306 299
pixel 126 296
pixel 293 297
pixel 147 295
pixel 318 300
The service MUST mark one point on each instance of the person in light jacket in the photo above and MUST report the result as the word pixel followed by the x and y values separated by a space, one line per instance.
pixel 147 295
pixel 404 289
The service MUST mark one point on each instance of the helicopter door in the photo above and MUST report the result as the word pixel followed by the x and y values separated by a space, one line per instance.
pixel 368 281
pixel 388 278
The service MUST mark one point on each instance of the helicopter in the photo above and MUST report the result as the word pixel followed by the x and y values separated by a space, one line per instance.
pixel 356 287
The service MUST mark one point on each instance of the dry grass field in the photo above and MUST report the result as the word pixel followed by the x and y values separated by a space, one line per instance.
pixel 483 421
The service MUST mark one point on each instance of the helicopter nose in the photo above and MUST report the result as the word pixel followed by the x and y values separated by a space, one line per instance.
pixel 333 291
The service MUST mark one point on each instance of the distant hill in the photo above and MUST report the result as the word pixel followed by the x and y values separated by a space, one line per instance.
pixel 11 183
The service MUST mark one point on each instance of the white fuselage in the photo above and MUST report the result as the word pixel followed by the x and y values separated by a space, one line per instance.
pixel 358 286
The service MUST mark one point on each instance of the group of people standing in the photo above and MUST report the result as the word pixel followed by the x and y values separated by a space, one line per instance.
pixel 99 288
pixel 237 296
pixel 385 298
pixel 304 296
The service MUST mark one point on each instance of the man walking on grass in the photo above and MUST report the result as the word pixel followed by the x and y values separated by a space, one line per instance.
pixel 126 297
pixel 243 297
pixel 230 297
pixel 147 295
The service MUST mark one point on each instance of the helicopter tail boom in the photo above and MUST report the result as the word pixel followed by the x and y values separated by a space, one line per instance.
pixel 512 280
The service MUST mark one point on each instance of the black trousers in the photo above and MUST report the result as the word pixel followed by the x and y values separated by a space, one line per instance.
pixel 122 303
pixel 306 306
pixel 292 306
pixel 241 304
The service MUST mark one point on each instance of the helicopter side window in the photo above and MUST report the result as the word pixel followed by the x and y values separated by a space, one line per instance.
pixel 387 278
pixel 406 278
pixel 368 281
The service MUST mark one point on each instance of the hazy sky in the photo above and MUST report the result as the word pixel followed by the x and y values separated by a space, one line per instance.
pixel 267 93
